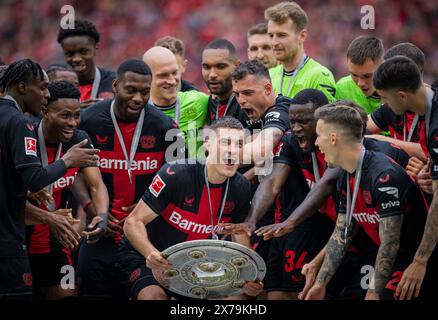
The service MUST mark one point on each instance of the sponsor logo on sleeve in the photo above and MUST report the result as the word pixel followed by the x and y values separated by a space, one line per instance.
pixel 157 186
pixel 390 190
pixel 272 116
pixel 30 146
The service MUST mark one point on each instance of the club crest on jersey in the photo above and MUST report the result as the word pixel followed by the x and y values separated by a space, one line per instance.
pixel 147 142
pixel 157 186
pixel 435 150
pixel 30 146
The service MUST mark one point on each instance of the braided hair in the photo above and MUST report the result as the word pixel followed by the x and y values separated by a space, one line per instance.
pixel 19 71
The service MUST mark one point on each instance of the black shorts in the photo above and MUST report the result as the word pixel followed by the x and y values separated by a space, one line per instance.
pixel 289 253
pixel 261 246
pixel 15 272
pixel 98 276
pixel 46 268
pixel 428 287
pixel 352 277
pixel 136 276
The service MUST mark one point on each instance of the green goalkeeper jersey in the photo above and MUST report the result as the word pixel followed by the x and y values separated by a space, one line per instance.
pixel 311 75
pixel 191 116
pixel 347 89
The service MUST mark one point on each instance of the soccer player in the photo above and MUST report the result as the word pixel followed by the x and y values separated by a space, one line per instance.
pixel 132 137
pixel 58 72
pixel 379 205
pixel 25 86
pixel 287 23
pixel 398 81
pixel 404 131
pixel 256 96
pixel 219 60
pixel 177 47
pixel 259 45
pixel 56 134
pixel 80 46
pixel 187 202
pixel 280 193
pixel 364 55
pixel 188 109
pixel 303 242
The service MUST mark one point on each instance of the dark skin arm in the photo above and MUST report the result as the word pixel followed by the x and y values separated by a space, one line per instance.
pixel 99 195
pixel 317 196
pixel 263 199
pixel 60 222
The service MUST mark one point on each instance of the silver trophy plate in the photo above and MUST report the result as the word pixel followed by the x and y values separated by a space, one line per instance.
pixel 208 269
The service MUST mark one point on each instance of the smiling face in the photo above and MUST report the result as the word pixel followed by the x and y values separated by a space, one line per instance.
pixel 253 94
pixel 217 67
pixel 362 75
pixel 131 94
pixel 225 150
pixel 79 53
pixel 61 119
pixel 166 78
pixel 285 39
pixel 303 125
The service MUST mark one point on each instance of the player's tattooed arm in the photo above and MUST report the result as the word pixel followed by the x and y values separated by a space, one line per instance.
pixel 430 235
pixel 389 233
pixel 336 248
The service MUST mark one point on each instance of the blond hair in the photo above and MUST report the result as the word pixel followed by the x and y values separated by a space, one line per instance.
pixel 287 10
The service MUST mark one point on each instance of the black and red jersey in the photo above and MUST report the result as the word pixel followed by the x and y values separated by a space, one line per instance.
pixel 18 150
pixel 277 116
pixel 306 165
pixel 178 194
pixel 149 157
pixel 295 189
pixel 105 90
pixel 385 190
pixel 433 136
pixel 393 151
pixel 218 109
pixel 40 238
pixel 399 126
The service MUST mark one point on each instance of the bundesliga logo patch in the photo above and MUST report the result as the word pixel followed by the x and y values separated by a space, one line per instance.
pixel 156 186
pixel 30 146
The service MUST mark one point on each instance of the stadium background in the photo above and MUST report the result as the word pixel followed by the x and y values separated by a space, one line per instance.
pixel 128 28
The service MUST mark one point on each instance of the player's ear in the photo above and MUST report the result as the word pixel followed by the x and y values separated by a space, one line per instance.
pixel 268 88
pixel 302 35
pixel 114 85
pixel 333 138
pixel 184 66
pixel 21 87
pixel 403 95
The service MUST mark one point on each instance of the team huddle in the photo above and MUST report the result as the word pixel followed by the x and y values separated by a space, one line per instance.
pixel 101 171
